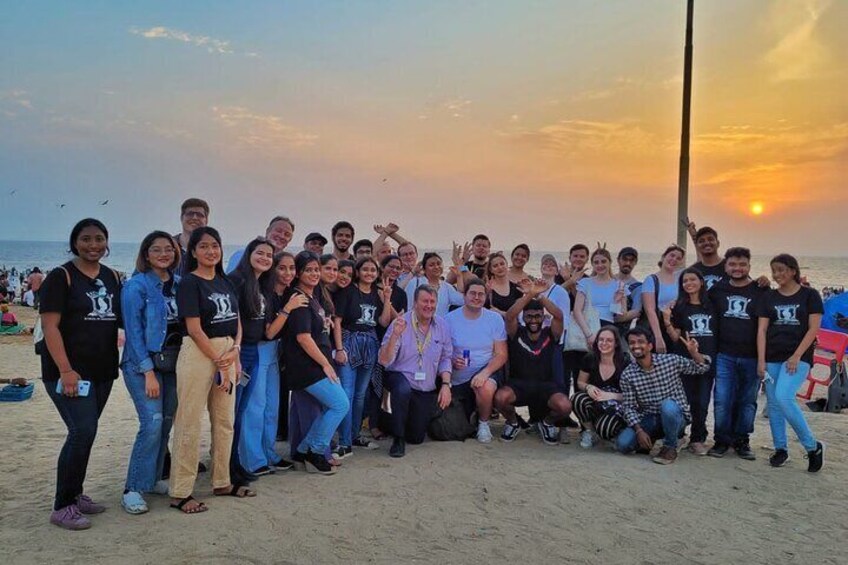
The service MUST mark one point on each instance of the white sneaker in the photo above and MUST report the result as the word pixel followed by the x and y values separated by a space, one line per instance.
pixel 484 434
pixel 587 439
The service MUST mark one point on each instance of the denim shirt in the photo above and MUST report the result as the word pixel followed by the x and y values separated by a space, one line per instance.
pixel 145 319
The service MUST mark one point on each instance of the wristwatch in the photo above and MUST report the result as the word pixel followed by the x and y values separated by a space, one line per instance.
pixel 445 383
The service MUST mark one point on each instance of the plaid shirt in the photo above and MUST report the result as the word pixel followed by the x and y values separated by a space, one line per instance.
pixel 644 391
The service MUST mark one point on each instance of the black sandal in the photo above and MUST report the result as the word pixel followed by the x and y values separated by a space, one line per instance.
pixel 238 491
pixel 197 509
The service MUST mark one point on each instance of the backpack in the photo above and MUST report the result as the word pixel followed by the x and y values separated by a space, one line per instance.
pixel 451 424
pixel 37 331
pixel 643 317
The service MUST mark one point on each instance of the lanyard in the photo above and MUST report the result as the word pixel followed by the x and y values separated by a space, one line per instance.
pixel 419 345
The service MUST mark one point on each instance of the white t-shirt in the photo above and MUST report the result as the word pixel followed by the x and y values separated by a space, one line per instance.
pixel 602 295
pixel 446 297
pixel 478 336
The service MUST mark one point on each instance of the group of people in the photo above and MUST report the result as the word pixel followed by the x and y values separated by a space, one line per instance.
pixel 308 346
pixel 22 286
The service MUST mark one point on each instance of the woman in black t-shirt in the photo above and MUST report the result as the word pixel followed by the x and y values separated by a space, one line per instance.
pixel 207 370
pixel 789 319
pixel 306 349
pixel 80 315
pixel 693 315
pixel 503 293
pixel 253 279
pixel 598 400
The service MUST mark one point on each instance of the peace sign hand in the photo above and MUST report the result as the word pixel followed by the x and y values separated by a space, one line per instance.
pixel 690 343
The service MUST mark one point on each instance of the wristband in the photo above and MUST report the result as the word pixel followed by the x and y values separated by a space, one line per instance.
pixel 237 346
pixel 463 269
pixel 286 312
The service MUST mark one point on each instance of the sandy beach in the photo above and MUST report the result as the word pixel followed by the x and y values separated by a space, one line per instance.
pixel 452 503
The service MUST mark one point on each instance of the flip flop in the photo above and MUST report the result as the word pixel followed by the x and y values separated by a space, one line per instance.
pixel 197 509
pixel 238 491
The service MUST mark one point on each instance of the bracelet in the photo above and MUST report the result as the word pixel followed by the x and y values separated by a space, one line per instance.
pixel 237 346
pixel 286 312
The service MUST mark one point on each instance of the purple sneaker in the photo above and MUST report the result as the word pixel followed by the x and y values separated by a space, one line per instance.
pixel 88 506
pixel 70 518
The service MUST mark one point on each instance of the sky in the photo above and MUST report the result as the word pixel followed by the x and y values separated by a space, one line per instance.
pixel 547 122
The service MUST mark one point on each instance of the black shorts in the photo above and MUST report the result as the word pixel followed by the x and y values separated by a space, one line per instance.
pixel 466 396
pixel 534 394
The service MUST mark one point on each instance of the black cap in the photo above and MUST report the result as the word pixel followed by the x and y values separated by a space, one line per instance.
pixel 628 251
pixel 315 235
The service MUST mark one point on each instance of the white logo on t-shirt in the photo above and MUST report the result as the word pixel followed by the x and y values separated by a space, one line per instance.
pixel 171 304
pixel 223 307
pixel 711 280
pixel 737 307
pixel 700 325
pixel 101 303
pixel 787 315
pixel 366 318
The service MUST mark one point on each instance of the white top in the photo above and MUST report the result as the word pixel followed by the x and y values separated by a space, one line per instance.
pixel 446 297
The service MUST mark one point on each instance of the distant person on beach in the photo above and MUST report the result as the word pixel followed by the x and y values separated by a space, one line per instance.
pixel 342 235
pixel 9 322
pixel 152 329
pixel 598 400
pixel 208 369
pixel 80 316
pixel 535 364
pixel 34 281
pixel 694 315
pixel 279 233
pixel 4 288
pixel 789 319
pixel 315 243
pixel 736 382
pixel 659 291
pixel 194 213
pixel 654 402
pixel 306 349
pixel 479 355
pixel 416 353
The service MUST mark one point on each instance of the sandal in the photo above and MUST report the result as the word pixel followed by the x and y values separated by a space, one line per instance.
pixel 196 509
pixel 238 491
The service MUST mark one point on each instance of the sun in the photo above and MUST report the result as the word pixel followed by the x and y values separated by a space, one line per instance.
pixel 757 208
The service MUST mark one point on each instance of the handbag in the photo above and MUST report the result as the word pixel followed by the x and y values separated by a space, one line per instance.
pixel 574 338
pixel 451 424
pixel 165 361
pixel 837 392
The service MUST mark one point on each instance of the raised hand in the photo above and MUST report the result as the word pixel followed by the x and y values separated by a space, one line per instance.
pixel 391 228
pixel 690 343
pixel 386 291
pixel 466 252
pixel 399 325
pixel 666 313
pixel 690 226
pixel 296 301
pixel 526 285
pixel 380 229
pixel 540 286
pixel 456 254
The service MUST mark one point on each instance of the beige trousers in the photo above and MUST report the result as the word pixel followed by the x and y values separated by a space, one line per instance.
pixel 196 390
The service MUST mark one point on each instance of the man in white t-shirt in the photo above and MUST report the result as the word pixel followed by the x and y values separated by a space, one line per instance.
pixel 476 375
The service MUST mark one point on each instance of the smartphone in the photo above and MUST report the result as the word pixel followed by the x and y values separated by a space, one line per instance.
pixel 218 383
pixel 83 387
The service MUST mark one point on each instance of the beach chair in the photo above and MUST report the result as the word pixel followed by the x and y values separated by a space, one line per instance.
pixel 830 353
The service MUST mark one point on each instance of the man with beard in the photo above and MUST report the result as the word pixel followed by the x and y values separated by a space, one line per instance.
pixel 194 213
pixel 628 257
pixel 654 403
pixel 476 257
pixel 736 385
pixel 535 371
pixel 279 233
pixel 416 353
pixel 342 235
pixel 710 263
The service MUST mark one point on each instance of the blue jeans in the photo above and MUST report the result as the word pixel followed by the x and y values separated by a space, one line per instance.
pixel 355 383
pixel 259 412
pixel 782 406
pixel 735 398
pixel 667 425
pixel 80 415
pixel 334 405
pixel 155 418
pixel 249 358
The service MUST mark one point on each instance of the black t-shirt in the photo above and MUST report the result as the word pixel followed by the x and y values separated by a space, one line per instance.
pixel 90 310
pixel 174 326
pixel 215 302
pixel 701 322
pixel 532 361
pixel 252 325
pixel 276 303
pixel 789 320
pixel 590 365
pixel 358 310
pixel 399 303
pixel 504 303
pixel 713 274
pixel 301 369
pixel 736 313
pixel 477 269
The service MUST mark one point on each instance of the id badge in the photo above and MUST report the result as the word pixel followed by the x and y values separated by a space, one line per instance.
pixel 420 376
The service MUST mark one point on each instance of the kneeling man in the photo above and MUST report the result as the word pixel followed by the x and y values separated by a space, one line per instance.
pixel 416 354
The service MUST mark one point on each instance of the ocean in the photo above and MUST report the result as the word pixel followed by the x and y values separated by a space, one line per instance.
pixel 820 271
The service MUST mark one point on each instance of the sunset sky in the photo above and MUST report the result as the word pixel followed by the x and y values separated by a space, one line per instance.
pixel 547 122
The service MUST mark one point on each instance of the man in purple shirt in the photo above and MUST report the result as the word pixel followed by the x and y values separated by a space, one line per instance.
pixel 416 353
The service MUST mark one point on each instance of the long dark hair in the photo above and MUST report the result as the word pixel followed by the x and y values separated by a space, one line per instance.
pixel 81 225
pixel 142 264
pixel 326 297
pixel 196 235
pixel 255 288
pixel 619 360
pixel 683 296
pixel 789 262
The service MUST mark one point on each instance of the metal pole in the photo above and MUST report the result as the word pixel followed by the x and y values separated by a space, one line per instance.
pixel 683 178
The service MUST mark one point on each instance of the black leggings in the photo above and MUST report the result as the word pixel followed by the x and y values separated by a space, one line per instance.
pixel 608 426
